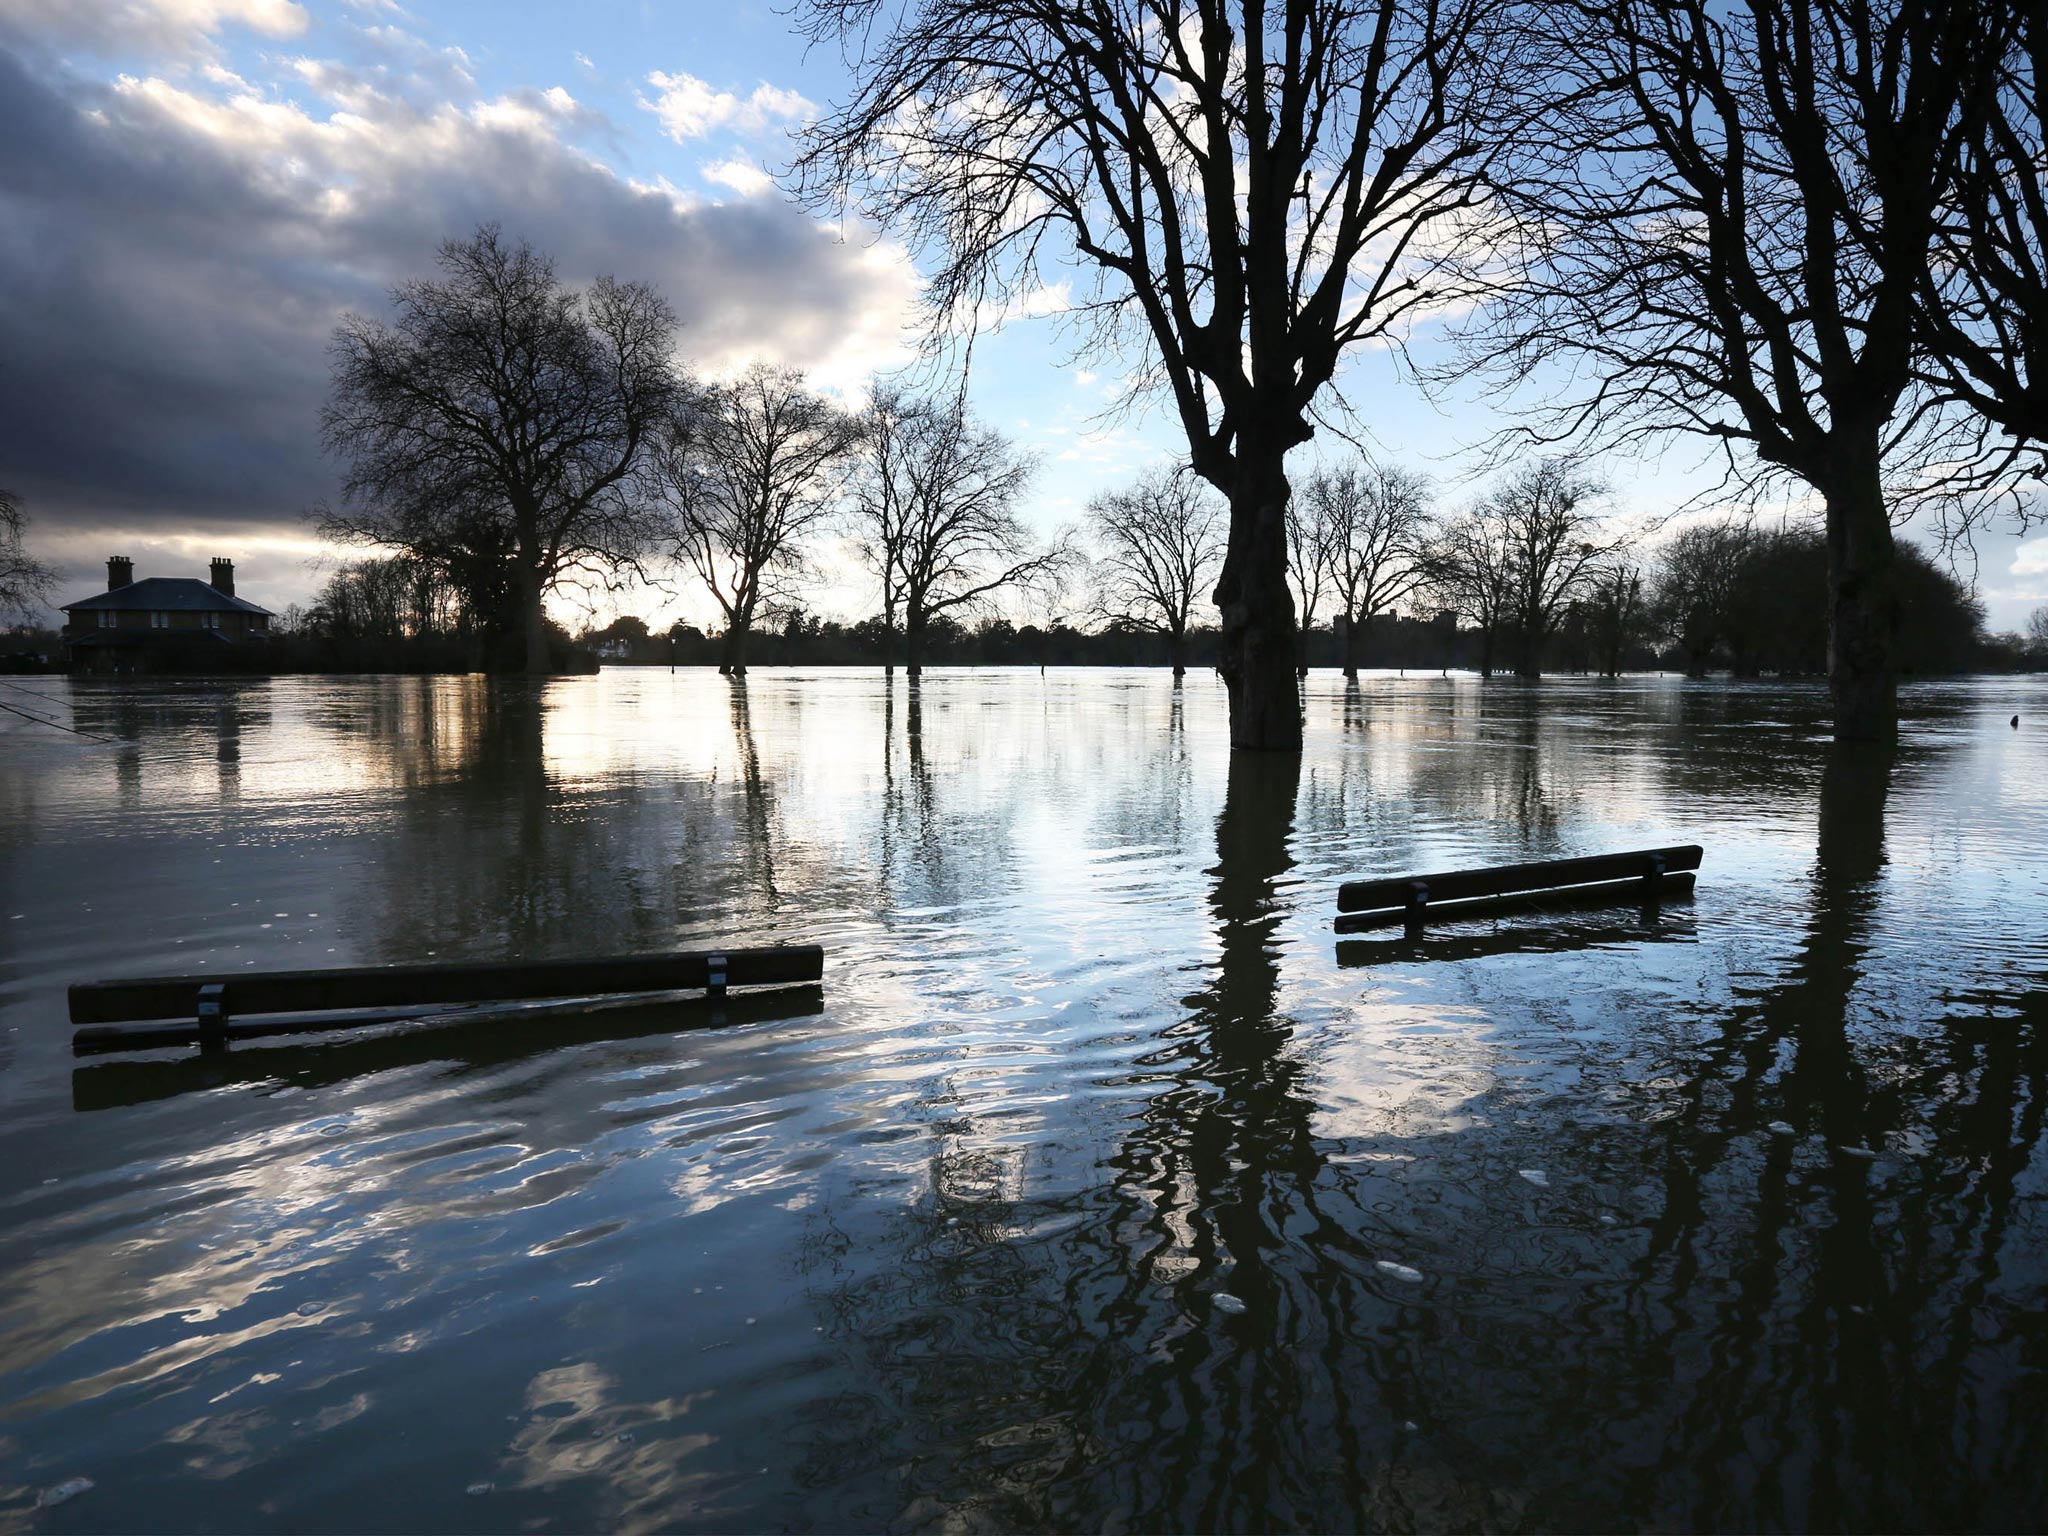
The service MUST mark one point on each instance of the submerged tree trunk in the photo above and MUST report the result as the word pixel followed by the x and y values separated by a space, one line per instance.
pixel 913 643
pixel 1258 662
pixel 1351 645
pixel 1862 605
pixel 1176 650
pixel 733 658
pixel 533 618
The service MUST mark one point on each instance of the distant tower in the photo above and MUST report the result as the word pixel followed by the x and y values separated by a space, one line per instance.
pixel 224 577
pixel 120 572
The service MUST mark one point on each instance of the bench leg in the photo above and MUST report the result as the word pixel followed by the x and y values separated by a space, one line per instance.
pixel 213 1017
pixel 1653 887
pixel 1417 910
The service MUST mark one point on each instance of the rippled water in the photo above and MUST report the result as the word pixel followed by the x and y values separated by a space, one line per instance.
pixel 1102 1186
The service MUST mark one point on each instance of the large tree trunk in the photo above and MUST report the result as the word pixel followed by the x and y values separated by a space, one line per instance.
pixel 533 618
pixel 1176 650
pixel 1862 604
pixel 733 659
pixel 913 643
pixel 1258 611
pixel 1351 645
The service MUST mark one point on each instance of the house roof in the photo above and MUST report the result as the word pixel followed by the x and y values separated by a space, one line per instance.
pixel 166 594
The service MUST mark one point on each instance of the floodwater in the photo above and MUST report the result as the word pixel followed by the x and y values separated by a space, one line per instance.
pixel 1102 1186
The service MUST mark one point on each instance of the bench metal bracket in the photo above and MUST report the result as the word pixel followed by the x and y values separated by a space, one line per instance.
pixel 714 978
pixel 213 1016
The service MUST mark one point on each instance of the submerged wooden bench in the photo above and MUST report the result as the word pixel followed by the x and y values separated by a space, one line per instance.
pixel 143 1013
pixel 1648 874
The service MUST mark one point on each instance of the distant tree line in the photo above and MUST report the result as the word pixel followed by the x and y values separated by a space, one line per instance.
pixel 1529 576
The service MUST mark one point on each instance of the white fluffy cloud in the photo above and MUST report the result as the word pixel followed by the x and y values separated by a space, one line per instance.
pixel 2031 558
pixel 740 174
pixel 689 108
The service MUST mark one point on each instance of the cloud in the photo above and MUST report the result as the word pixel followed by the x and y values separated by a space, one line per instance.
pixel 176 255
pixel 159 27
pixel 2031 558
pixel 741 174
pixel 689 108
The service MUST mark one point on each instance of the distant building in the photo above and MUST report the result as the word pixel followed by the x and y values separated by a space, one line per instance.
pixel 165 624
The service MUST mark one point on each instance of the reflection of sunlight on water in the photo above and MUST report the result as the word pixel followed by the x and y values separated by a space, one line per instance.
pixel 1394 1069
pixel 1095 1193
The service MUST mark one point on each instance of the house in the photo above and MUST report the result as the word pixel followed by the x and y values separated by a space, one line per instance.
pixel 166 624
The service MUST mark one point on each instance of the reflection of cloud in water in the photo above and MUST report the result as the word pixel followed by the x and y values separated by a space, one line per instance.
pixel 576 1428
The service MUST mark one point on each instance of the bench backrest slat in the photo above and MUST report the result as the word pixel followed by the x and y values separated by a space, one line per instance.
pixel 1510 879
pixel 392 986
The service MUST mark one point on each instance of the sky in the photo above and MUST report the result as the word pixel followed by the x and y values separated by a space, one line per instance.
pixel 193 193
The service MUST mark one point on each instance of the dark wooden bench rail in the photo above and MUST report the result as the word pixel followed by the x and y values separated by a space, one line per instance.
pixel 208 1009
pixel 1652 873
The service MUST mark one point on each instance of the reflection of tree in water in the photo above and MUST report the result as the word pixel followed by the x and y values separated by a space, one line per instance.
pixel 1156 781
pixel 930 854
pixel 1823 1321
pixel 1849 1297
pixel 491 853
pixel 1789 1334
pixel 757 846
pixel 1198 1343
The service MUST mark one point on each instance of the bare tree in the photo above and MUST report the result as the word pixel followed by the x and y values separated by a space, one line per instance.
pixel 1726 219
pixel 749 471
pixel 2037 631
pixel 1255 189
pixel 1162 540
pixel 1616 614
pixel 935 516
pixel 1984 300
pixel 501 419
pixel 882 491
pixel 1471 576
pixel 1308 566
pixel 1515 561
pixel 1379 531
pixel 25 581
pixel 1555 548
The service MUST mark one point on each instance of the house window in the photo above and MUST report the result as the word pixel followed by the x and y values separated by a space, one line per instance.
pixel 159 621
pixel 106 618
pixel 213 621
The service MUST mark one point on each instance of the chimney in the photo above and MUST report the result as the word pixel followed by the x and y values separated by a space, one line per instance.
pixel 120 572
pixel 224 577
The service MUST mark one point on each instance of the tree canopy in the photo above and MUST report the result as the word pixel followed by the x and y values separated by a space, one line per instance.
pixel 498 424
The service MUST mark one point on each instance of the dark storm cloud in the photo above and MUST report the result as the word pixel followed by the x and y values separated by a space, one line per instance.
pixel 173 259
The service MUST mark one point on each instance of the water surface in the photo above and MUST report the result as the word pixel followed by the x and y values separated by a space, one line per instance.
pixel 1102 1186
